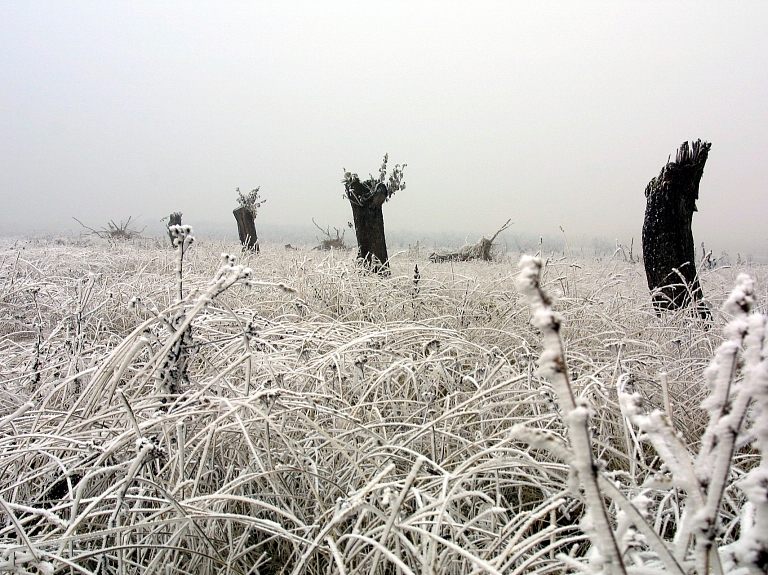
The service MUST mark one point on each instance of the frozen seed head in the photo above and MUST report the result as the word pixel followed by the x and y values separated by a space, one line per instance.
pixel 528 278
pixel 387 497
pixel 152 444
pixel 228 259
pixel 742 297
pixel 182 235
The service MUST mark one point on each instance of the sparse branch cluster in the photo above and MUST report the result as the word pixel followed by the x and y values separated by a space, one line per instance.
pixel 362 191
pixel 251 201
pixel 479 251
pixel 115 232
pixel 330 242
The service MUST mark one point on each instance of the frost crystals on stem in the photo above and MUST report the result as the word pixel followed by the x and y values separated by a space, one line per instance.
pixel 576 411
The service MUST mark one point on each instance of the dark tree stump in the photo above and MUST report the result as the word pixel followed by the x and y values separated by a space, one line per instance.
pixel 246 229
pixel 668 249
pixel 369 224
pixel 367 199
pixel 173 220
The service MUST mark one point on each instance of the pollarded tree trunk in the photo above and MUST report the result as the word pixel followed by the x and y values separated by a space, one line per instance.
pixel 173 220
pixel 246 229
pixel 369 225
pixel 668 249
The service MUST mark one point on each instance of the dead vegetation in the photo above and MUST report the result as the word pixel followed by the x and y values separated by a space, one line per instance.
pixel 121 232
pixel 479 251
pixel 330 242
pixel 316 419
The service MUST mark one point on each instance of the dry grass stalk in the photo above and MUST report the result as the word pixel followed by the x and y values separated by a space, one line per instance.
pixel 329 421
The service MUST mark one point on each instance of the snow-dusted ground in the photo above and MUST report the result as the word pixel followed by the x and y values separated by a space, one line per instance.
pixel 324 420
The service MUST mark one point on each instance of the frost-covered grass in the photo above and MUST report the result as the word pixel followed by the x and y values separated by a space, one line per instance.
pixel 322 420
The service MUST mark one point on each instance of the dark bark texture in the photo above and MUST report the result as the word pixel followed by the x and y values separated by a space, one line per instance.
pixel 246 229
pixel 668 248
pixel 173 220
pixel 369 224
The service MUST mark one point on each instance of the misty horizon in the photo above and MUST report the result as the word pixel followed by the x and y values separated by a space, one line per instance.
pixel 555 115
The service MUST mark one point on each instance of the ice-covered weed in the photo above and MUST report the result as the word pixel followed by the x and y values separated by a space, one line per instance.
pixel 627 537
pixel 342 423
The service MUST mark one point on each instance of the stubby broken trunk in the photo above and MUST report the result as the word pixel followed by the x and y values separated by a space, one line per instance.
pixel 369 225
pixel 668 249
pixel 173 220
pixel 246 229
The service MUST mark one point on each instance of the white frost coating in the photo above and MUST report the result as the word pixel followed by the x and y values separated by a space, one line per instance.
pixel 665 440
pixel 542 439
pixel 578 416
pixel 750 551
pixel 18 413
pixel 738 395
pixel 182 238
pixel 742 298
pixel 605 552
pixel 727 408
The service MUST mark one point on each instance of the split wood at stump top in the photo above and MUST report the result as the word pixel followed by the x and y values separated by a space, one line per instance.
pixel 668 248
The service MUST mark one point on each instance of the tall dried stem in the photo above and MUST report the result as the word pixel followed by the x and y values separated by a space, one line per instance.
pixel 552 365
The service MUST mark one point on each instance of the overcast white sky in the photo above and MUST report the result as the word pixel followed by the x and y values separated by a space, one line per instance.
pixel 549 113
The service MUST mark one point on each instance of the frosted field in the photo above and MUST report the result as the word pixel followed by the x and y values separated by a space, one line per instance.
pixel 323 420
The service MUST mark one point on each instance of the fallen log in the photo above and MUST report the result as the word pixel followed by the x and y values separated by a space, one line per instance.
pixel 479 251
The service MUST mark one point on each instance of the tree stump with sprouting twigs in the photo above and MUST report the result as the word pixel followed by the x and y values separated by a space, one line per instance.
pixel 668 248
pixel 368 218
pixel 246 229
pixel 367 198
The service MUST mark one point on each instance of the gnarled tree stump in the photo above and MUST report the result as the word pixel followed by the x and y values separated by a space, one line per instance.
pixel 367 199
pixel 246 229
pixel 369 224
pixel 668 248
